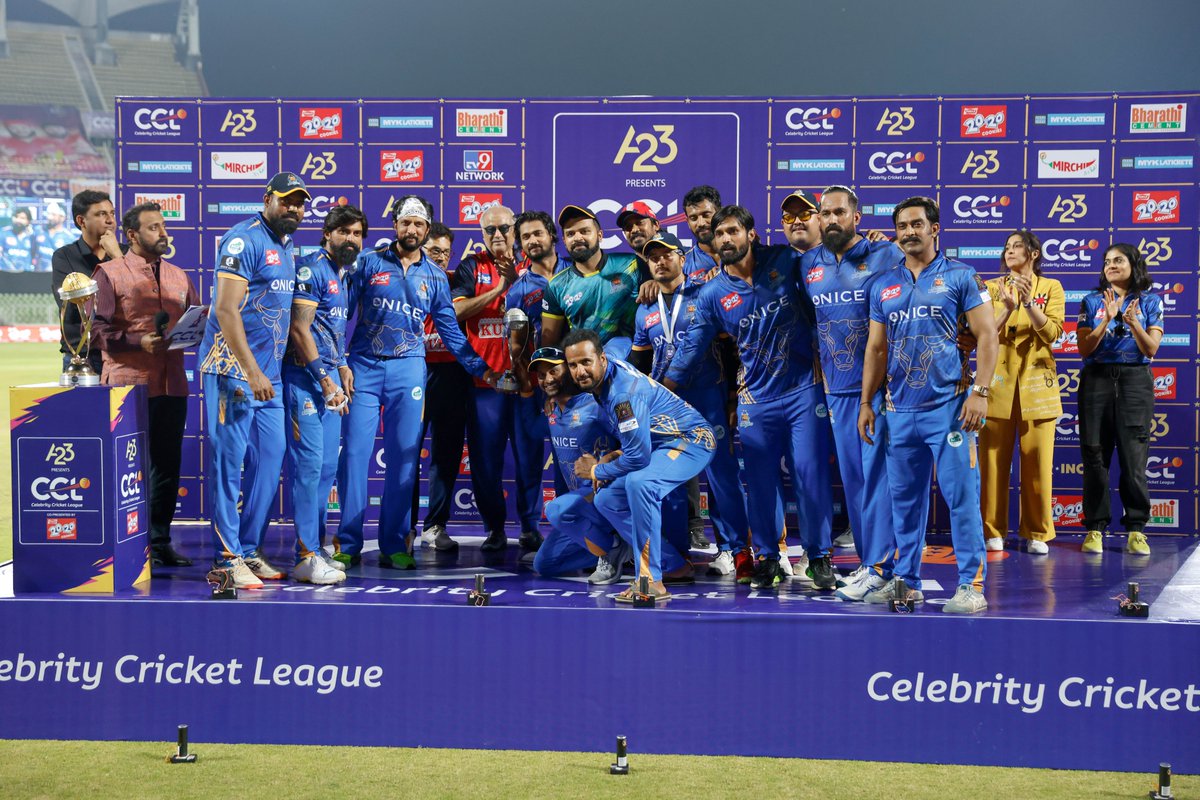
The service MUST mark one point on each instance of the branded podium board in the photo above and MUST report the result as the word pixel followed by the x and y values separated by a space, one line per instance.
pixel 79 488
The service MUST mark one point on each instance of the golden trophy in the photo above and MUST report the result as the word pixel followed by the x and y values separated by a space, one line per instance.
pixel 78 290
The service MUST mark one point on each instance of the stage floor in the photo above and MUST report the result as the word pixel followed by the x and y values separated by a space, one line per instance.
pixel 1064 585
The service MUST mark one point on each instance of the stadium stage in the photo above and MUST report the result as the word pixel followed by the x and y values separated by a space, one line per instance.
pixel 1049 676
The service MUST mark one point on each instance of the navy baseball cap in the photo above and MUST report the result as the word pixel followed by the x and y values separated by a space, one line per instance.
pixel 285 183
pixel 808 200
pixel 663 239
pixel 570 213
pixel 550 356
pixel 635 209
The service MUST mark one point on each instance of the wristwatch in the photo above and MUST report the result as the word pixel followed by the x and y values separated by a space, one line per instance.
pixel 982 391
pixel 1027 304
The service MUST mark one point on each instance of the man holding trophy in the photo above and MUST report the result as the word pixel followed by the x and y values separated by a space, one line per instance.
pixel 480 286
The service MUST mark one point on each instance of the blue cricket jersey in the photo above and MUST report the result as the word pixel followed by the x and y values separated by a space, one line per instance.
pixel 770 319
pixel 644 417
pixel 390 306
pixel 250 251
pixel 18 251
pixel 925 368
pixel 1118 345
pixel 650 333
pixel 527 294
pixel 838 290
pixel 575 430
pixel 697 264
pixel 318 284
pixel 48 242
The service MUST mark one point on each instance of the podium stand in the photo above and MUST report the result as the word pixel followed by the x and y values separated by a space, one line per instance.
pixel 79 488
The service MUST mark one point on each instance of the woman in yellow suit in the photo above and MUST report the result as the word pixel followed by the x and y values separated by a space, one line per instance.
pixel 1024 405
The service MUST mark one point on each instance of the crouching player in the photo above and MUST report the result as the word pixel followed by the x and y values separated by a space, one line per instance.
pixel 664 444
pixel 580 536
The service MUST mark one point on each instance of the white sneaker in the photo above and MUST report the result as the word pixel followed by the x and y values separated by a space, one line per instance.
pixel 263 568
pixel 331 561
pixel 844 539
pixel 722 564
pixel 785 565
pixel 966 601
pixel 865 581
pixel 315 569
pixel 243 578
pixel 888 592
pixel 1036 547
pixel 608 567
pixel 994 543
pixel 857 574
pixel 799 568
pixel 430 533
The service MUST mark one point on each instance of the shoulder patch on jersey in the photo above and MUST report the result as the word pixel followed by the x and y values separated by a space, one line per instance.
pixel 304 274
pixel 232 263
pixel 626 421
pixel 235 245
pixel 979 282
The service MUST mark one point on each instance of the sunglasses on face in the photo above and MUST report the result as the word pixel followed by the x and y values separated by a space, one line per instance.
pixel 491 230
pixel 803 216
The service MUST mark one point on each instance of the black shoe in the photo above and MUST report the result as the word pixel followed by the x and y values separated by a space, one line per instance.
pixel 823 576
pixel 163 555
pixel 495 542
pixel 530 540
pixel 699 542
pixel 766 574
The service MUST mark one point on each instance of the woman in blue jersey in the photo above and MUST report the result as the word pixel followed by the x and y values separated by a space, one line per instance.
pixel 1120 328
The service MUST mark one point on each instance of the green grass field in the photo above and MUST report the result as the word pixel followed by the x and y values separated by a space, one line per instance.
pixel 42 769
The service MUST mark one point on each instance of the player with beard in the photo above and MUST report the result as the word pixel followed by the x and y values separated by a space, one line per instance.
pixel 244 341
pixel 579 535
pixel 395 287
pixel 836 275
pixel 53 236
pixel 317 385
pixel 756 300
pixel 664 442
pixel 575 300
pixel 18 243
pixel 699 205
pixel 934 404
pixel 638 223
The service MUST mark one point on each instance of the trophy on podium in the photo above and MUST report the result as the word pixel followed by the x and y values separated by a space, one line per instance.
pixel 515 321
pixel 78 290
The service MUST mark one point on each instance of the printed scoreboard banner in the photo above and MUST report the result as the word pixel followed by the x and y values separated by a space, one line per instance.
pixel 1081 171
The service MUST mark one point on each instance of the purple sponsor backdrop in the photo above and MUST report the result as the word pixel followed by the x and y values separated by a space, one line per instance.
pixel 1081 171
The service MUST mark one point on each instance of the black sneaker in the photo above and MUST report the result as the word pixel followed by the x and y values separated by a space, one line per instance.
pixel 821 572
pixel 530 540
pixel 699 542
pixel 766 574
pixel 495 542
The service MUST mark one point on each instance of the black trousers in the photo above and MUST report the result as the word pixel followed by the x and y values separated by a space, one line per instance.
pixel 447 390
pixel 168 416
pixel 1116 407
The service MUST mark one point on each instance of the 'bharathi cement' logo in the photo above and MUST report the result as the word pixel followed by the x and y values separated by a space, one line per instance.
pixel 481 122
pixel 1157 118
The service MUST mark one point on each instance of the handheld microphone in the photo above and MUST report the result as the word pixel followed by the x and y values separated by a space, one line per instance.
pixel 160 322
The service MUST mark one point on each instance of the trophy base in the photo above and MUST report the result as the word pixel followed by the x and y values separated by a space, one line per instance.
pixel 80 378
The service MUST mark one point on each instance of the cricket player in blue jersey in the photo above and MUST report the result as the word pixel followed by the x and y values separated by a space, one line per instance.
pixel 757 301
pixel 580 536
pixel 664 443
pixel 316 382
pixel 700 204
pixel 54 235
pixel 657 333
pixel 18 243
pixel 836 275
pixel 240 356
pixel 395 287
pixel 934 408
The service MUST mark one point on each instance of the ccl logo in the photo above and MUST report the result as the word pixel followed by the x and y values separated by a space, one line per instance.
pixel 1068 210
pixel 645 148
pixel 981 165
pixel 464 499
pixel 61 490
pixel 323 204
pixel 1071 251
pixel 1160 468
pixel 131 485
pixel 895 162
pixel 896 122
pixel 159 119
pixel 318 166
pixel 981 206
pixel 1068 425
pixel 239 123
pixel 1167 292
pixel 811 119
pixel 1157 251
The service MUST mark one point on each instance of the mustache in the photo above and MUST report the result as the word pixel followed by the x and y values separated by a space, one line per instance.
pixel 910 240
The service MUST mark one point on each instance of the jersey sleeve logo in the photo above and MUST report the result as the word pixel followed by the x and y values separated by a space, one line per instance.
pixel 272 258
pixel 303 274
pixel 651 320
pixel 381 279
pixel 626 420
pixel 979 284
pixel 235 245
pixel 815 274
pixel 731 301
pixel 231 263
pixel 890 293
pixel 485 278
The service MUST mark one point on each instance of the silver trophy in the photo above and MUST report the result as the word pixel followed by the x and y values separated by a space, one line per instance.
pixel 78 290
pixel 515 321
